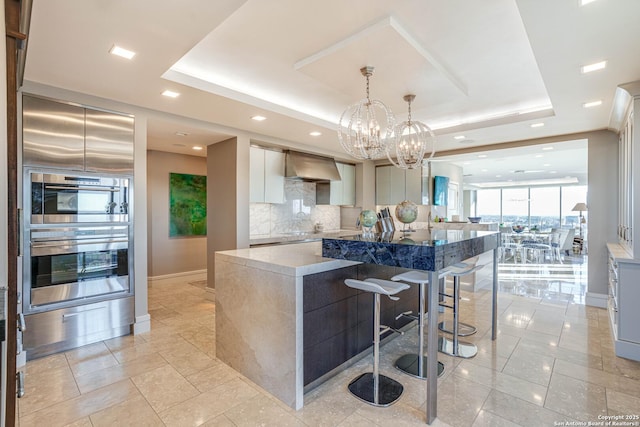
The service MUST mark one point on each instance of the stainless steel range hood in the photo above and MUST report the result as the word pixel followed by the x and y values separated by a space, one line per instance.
pixel 310 167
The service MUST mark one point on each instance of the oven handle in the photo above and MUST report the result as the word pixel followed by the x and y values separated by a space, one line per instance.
pixel 61 187
pixel 75 243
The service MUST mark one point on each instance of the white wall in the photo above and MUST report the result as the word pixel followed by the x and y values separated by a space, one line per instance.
pixel 602 202
pixel 169 256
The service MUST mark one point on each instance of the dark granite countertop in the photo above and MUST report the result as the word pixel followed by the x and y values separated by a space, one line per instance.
pixel 422 249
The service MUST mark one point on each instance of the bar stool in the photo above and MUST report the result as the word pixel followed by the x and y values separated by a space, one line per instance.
pixel 372 387
pixel 415 364
pixel 455 347
pixel 464 329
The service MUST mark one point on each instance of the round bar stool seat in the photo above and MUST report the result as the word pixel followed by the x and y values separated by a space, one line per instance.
pixel 454 347
pixel 412 363
pixel 372 387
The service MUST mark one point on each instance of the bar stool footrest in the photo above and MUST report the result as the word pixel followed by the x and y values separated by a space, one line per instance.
pixel 464 329
pixel 389 390
pixel 465 350
pixel 408 364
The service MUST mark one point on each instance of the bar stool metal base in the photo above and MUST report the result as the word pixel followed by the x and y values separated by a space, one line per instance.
pixel 409 365
pixel 389 390
pixel 465 350
pixel 464 329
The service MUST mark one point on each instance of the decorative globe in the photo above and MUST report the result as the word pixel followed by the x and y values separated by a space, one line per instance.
pixel 368 218
pixel 407 212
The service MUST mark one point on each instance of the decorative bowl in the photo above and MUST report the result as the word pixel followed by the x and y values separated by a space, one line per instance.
pixel 475 219
pixel 517 228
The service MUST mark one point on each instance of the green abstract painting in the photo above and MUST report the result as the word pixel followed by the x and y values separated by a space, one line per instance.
pixel 187 205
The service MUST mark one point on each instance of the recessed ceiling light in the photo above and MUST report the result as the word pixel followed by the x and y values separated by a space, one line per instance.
pixel 315 133
pixel 484 170
pixel 547 148
pixel 592 104
pixel 593 67
pixel 258 118
pixel 197 147
pixel 181 133
pixel 498 176
pixel 539 155
pixel 583 2
pixel 482 156
pixel 553 171
pixel 537 125
pixel 546 164
pixel 121 52
pixel 179 145
pixel 170 94
pixel 466 163
pixel 459 137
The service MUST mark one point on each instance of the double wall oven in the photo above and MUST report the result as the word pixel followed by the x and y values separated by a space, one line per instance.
pixel 78 229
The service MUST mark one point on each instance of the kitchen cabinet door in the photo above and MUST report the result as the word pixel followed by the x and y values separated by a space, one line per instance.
pixel 256 175
pixel 394 185
pixel 108 142
pixel 52 134
pixel 273 177
pixel 383 185
pixel 348 185
pixel 343 192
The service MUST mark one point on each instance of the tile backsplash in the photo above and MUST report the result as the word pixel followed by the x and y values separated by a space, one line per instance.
pixel 299 212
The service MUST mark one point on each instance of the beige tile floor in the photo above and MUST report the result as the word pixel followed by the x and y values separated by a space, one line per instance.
pixel 553 362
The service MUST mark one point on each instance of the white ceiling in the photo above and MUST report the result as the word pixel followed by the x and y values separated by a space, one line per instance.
pixel 486 70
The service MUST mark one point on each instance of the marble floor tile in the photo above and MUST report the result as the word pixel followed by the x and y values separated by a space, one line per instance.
pixel 535 368
pixel 100 378
pixel 46 364
pixel 47 388
pixel 598 377
pixel 577 399
pixel 133 412
pixel 263 411
pixel 208 405
pixel 83 422
pixel 164 387
pixel 523 389
pixel 622 404
pixel 487 419
pixel 460 400
pixel 521 412
pixel 188 362
pixel 69 411
pixel 219 421
pixel 217 374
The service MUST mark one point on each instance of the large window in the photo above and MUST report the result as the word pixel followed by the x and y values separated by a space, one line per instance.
pixel 488 205
pixel 545 207
pixel 542 207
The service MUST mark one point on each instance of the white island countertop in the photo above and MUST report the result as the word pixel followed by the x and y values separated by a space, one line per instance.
pixel 295 259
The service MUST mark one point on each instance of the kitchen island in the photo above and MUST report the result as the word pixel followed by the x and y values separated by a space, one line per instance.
pixel 428 250
pixel 281 311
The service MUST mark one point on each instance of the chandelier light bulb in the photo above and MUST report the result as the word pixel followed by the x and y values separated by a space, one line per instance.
pixel 366 127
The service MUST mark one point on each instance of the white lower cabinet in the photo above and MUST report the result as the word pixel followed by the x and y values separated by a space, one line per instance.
pixel 624 297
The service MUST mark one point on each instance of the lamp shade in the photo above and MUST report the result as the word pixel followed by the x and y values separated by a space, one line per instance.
pixel 580 207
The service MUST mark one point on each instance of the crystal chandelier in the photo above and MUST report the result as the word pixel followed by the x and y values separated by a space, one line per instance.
pixel 366 127
pixel 411 142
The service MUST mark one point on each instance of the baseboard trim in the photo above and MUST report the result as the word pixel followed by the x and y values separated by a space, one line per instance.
pixel 142 324
pixel 174 275
pixel 596 300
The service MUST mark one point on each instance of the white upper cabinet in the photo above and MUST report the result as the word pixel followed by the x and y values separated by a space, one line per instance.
pixel 266 176
pixel 394 185
pixel 344 192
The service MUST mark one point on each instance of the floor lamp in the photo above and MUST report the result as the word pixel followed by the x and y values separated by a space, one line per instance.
pixel 580 207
